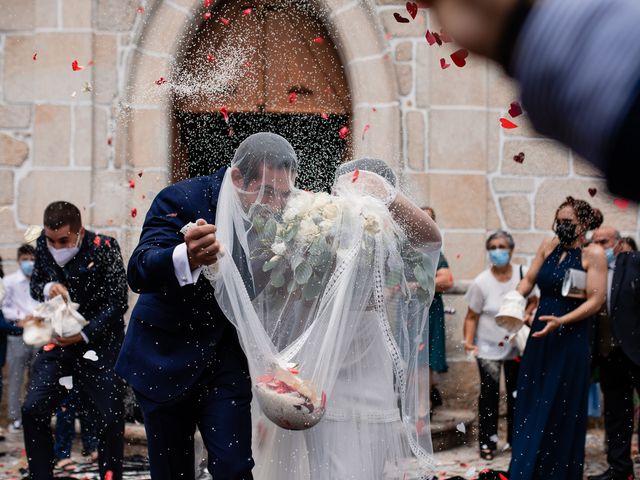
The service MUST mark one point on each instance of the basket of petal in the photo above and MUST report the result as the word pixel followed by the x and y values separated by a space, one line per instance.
pixel 288 401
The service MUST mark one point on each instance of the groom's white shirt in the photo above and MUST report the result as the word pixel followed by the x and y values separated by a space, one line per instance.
pixel 181 267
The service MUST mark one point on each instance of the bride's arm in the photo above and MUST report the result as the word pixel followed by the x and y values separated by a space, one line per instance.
pixel 417 224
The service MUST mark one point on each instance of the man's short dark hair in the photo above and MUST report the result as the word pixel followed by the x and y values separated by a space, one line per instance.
pixel 264 148
pixel 26 249
pixel 58 214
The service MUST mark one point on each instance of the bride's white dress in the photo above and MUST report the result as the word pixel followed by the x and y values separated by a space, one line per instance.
pixel 322 313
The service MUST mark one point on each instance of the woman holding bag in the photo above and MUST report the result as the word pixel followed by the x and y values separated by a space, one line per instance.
pixel 550 419
pixel 489 342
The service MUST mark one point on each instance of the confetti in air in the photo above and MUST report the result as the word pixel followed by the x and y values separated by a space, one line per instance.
pixel 134 212
pixel 461 428
pixel 621 203
pixel 343 132
pixel 443 64
pixel 593 191
pixel 75 67
pixel 507 124
pixel 515 109
pixel 459 57
pixel 400 19
pixel 412 8
pixel 35 56
pixel 519 158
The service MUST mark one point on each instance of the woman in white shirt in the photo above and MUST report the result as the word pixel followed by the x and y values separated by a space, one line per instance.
pixel 485 339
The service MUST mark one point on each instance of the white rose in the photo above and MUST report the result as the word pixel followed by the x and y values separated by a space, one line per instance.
pixel 330 211
pixel 326 225
pixel 279 248
pixel 289 214
pixel 371 224
pixel 321 199
pixel 308 229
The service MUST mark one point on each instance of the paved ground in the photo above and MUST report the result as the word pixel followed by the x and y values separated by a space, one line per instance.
pixel 462 461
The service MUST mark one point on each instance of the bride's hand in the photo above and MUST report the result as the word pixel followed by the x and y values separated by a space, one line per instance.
pixel 202 245
pixel 367 183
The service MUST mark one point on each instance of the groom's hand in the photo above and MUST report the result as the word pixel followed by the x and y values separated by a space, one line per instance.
pixel 202 245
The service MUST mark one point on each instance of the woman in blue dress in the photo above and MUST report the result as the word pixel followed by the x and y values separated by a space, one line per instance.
pixel 551 406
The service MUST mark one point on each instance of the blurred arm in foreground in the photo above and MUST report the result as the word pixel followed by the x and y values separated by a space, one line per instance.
pixel 578 66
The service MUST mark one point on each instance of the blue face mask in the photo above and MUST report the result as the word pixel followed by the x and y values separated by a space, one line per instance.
pixel 499 257
pixel 611 257
pixel 27 267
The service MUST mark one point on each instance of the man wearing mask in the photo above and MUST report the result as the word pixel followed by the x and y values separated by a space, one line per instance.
pixel 619 352
pixel 181 355
pixel 87 269
pixel 17 308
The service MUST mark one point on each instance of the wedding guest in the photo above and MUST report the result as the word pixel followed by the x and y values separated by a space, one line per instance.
pixel 565 79
pixel 437 354
pixel 488 341
pixel 181 355
pixel 619 352
pixel 628 244
pixel 17 308
pixel 76 404
pixel 550 420
pixel 4 328
pixel 86 268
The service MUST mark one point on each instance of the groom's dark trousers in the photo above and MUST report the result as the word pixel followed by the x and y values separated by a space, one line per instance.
pixel 180 354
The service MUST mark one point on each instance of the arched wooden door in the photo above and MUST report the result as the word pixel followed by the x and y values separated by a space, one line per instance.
pixel 258 66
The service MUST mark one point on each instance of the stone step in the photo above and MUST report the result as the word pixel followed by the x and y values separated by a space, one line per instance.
pixel 446 428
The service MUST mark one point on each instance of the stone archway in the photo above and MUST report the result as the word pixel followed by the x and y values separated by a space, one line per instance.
pixel 143 142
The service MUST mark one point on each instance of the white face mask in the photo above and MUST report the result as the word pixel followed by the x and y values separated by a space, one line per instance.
pixel 62 256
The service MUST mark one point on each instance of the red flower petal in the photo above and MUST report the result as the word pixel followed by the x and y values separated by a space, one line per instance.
pixel 318 40
pixel 225 114
pixel 355 176
pixel 519 158
pixel 210 58
pixel 508 124
pixel 140 9
pixel 160 81
pixel 96 241
pixel 593 191
pixel 225 21
pixel 49 346
pixel 75 67
pixel 621 203
pixel 132 183
pixel 247 11
pixel 430 38
pixel 443 64
pixel 134 212
pixel 206 15
pixel 343 132
pixel 366 128
pixel 459 56
pixel 293 97
pixel 502 477
pixel 515 109
pixel 400 19
pixel 412 8
pixel 35 56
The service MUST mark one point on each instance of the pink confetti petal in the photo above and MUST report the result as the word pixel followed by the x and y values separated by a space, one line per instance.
pixel 343 132
pixel 132 183
pixel 400 19
pixel 318 40
pixel 515 109
pixel 621 203
pixel 35 56
pixel 355 175
pixel 293 97
pixel 140 9
pixel 206 15
pixel 365 130
pixel 75 67
pixel 161 80
pixel 459 57
pixel 412 8
pixel 134 212
pixel 443 64
pixel 508 124
pixel 225 21
pixel 225 114
pixel 247 11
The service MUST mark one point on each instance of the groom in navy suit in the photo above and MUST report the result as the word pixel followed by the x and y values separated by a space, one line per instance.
pixel 181 355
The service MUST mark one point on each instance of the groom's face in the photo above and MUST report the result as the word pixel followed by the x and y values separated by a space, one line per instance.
pixel 271 188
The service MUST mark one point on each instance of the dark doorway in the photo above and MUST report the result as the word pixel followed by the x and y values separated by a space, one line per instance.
pixel 287 79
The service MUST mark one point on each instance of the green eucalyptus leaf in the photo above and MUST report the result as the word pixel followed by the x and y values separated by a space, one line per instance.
pixel 303 273
pixel 272 263
pixel 312 289
pixel 270 229
pixel 277 279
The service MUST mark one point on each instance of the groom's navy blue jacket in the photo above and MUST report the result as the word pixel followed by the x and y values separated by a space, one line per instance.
pixel 173 330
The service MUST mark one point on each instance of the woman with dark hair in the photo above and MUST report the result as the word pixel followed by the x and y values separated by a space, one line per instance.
pixel 628 244
pixel 551 406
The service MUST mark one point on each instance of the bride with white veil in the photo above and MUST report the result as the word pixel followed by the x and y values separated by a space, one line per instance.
pixel 316 285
